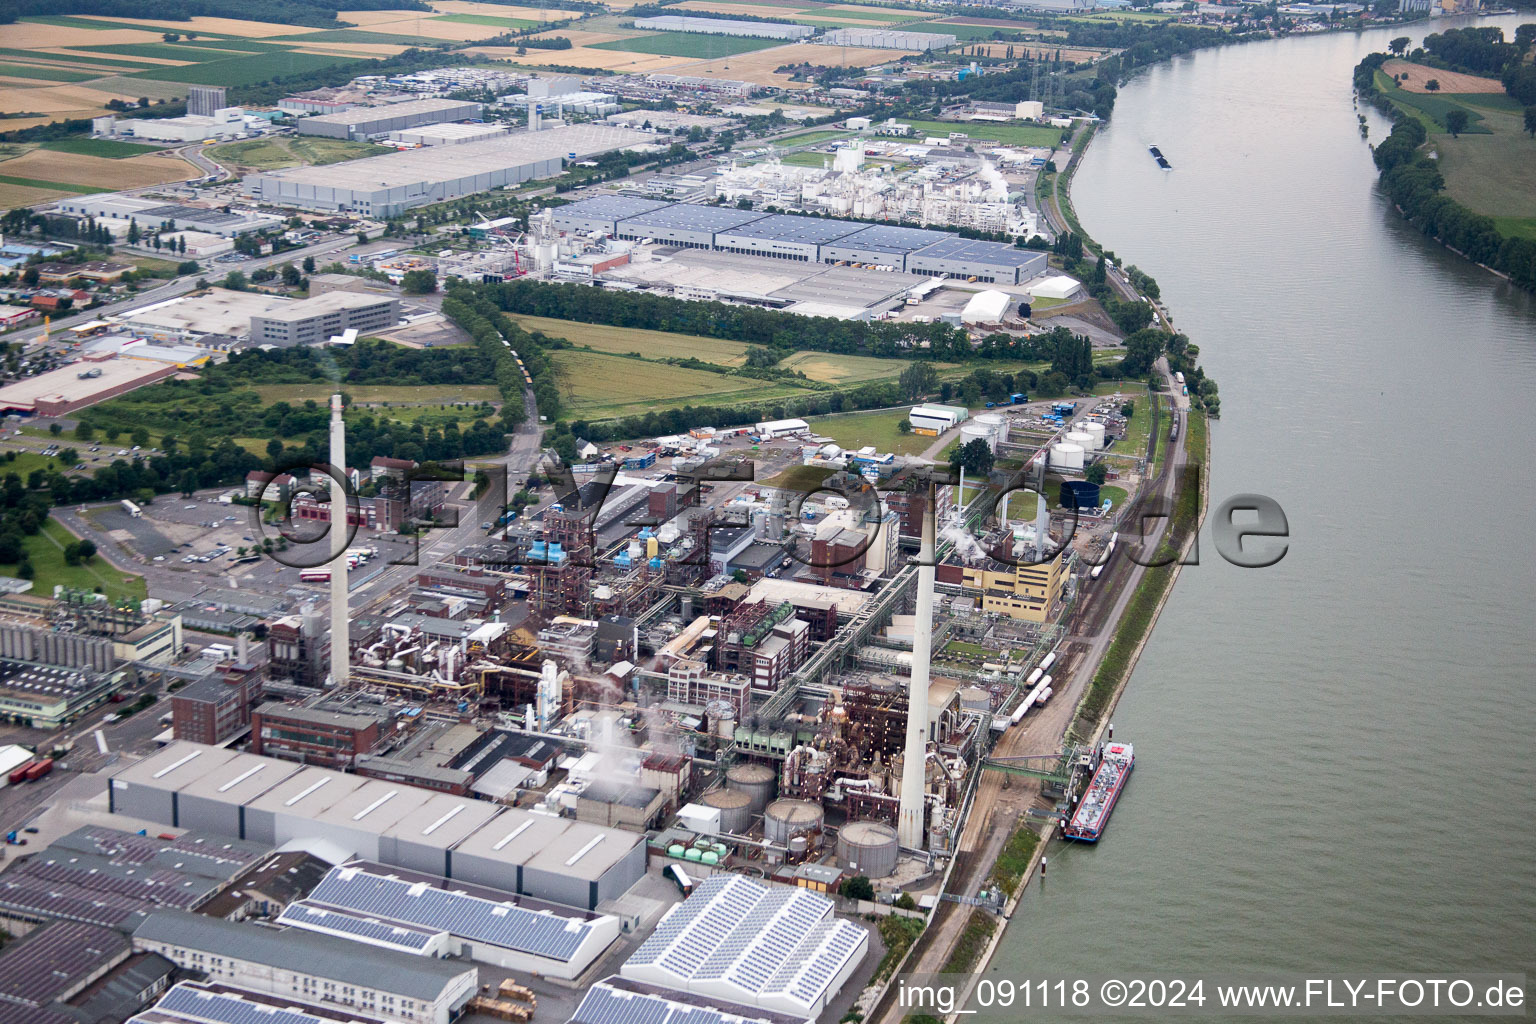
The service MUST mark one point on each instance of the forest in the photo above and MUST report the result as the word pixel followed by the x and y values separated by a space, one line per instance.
pixel 284 12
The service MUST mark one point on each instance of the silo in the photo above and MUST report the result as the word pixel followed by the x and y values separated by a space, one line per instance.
pixel 754 779
pixel 1095 431
pixel 998 423
pixel 735 809
pixel 971 431
pixel 1080 438
pixel 1066 455
pixel 786 818
pixel 867 848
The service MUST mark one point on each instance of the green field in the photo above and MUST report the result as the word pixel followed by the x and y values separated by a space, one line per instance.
pixel 1043 136
pixel 597 386
pixel 486 19
pixel 55 59
pixel 46 551
pixel 362 35
pixel 881 429
pixel 109 148
pixel 1107 492
pixel 836 368
pixel 291 151
pixel 979 33
pixel 250 70
pixel 686 44
pixel 649 344
pixel 42 74
pixel 813 138
pixel 57 186
pixel 163 51
pixel 806 159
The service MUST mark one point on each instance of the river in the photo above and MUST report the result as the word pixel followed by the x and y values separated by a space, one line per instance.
pixel 1334 754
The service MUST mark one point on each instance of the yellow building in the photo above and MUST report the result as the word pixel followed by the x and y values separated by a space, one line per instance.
pixel 1026 592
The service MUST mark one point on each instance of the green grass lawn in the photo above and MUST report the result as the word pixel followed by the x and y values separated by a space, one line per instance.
pixel 46 551
pixel 290 151
pixel 109 148
pixel 57 186
pixel 648 344
pixel 686 44
pixel 1109 492
pixel 806 159
pixel 812 138
pixel 1494 173
pixel 1043 136
pixel 881 429
pixel 598 386
pixel 977 33
pixel 42 74
pixel 190 52
pixel 799 478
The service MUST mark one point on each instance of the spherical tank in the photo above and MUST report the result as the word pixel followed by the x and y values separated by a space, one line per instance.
pixel 786 818
pixel 735 809
pixel 755 780
pixel 867 847
pixel 1067 456
pixel 1095 431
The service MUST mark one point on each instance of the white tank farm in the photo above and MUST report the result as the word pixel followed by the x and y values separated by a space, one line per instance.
pixel 971 431
pixel 1094 431
pixel 755 780
pixel 1066 455
pixel 735 809
pixel 786 818
pixel 1080 438
pixel 999 425
pixel 867 848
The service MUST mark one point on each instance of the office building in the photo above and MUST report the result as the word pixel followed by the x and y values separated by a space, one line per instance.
pixel 315 321
pixel 329 739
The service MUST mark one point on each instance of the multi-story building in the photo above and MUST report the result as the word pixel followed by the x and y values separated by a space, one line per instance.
pixel 327 738
pixel 762 641
pixel 314 321
pixel 215 709
pixel 298 648
pixel 1027 592
pixel 688 682
pixel 311 967
pixel 203 100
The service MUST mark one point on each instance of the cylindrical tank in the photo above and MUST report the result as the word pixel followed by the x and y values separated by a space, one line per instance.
pixel 757 781
pixel 999 424
pixel 1094 430
pixel 735 809
pixel 676 850
pixel 1066 455
pixel 1081 439
pixel 971 431
pixel 652 546
pixel 974 698
pixel 867 847
pixel 710 857
pixel 693 855
pixel 785 818
pixel 1079 494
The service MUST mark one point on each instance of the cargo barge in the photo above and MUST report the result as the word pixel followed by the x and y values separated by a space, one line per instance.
pixel 1092 814
pixel 1157 155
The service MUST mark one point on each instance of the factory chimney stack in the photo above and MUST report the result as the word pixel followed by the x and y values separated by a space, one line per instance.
pixel 340 641
pixel 910 826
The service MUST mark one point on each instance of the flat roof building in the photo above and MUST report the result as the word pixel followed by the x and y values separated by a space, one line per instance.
pixel 616 1000
pixel 373 122
pixel 62 391
pixel 883 245
pixel 601 213
pixel 685 224
pixel 448 134
pixel 57 961
pixel 290 961
pixel 387 186
pixel 317 320
pixel 786 237
pixel 985 261
pixel 197 1002
pixel 551 858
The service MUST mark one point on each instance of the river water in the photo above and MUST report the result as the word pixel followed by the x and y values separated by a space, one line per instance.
pixel 1334 754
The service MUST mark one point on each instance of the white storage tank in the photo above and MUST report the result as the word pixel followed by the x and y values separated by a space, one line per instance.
pixel 1096 432
pixel 756 781
pixel 787 818
pixel 998 423
pixel 1066 455
pixel 735 809
pixel 971 431
pixel 867 848
pixel 1079 438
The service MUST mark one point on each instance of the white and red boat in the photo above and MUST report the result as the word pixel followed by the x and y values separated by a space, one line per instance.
pixel 1092 814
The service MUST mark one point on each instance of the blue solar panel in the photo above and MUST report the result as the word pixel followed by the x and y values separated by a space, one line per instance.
pixel 225 1008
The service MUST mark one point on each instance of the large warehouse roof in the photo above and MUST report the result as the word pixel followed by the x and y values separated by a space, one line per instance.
pixel 363 115
pixel 889 239
pixel 972 250
pixel 784 227
pixel 479 916
pixel 609 207
pixel 775 947
pixel 415 166
pixel 196 1002
pixel 621 1001
pixel 688 217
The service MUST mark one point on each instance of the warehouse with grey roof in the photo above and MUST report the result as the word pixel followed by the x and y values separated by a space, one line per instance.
pixel 685 224
pixel 360 123
pixel 785 236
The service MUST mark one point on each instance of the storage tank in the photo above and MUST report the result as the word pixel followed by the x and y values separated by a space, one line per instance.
pixel 1081 439
pixel 1094 431
pixel 974 698
pixel 1065 455
pixel 971 431
pixel 756 780
pixel 998 423
pixel 676 850
pixel 785 818
pixel 735 809
pixel 867 847
pixel 1079 494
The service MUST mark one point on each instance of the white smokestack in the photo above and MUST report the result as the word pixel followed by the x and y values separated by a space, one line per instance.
pixel 340 641
pixel 909 828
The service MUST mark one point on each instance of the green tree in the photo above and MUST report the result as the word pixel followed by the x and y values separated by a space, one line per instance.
pixel 1456 120
pixel 1399 45
pixel 55 429
pixel 1530 121
pixel 975 457
pixel 84 431
pixel 291 276
pixel 309 264
pixel 1433 85
pixel 918 379
pixel 418 282
pixel 140 436
pixel 858 887
pixel 1096 472
pixel 234 281
pixel 133 232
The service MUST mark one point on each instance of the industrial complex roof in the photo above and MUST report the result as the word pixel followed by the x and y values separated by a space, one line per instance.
pixel 304 953
pixel 891 239
pixel 38 969
pixel 307 793
pixel 786 227
pixel 610 207
pixel 443 821
pixel 66 385
pixel 242 777
pixel 413 166
pixel 330 302
pixel 194 1002
pixel 362 115
pixel 348 924
pixel 374 806
pixel 618 1000
pixel 955 248
pixel 689 217
pixel 316 716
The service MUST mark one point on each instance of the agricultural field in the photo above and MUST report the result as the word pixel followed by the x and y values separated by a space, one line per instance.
pixel 1492 173
pixel 1038 51
pixel 487 19
pixel 648 344
pixel 759 66
pixel 597 386
pixel 585 53
pixel 40 73
pixel 686 44
pixel 108 149
pixel 1415 78
pixel 881 429
pixel 975 33
pixel 836 368
pixel 78 172
pixel 1043 136
pixel 245 70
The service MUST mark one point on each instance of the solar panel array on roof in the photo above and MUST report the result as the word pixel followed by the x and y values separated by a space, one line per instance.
pixel 620 1001
pixel 777 948
pixel 312 917
pixel 197 1003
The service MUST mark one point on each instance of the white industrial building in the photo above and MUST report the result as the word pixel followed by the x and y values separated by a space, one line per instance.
pixel 379 905
pixel 1058 286
pixel 389 185
pixel 377 122
pixel 449 134
pixel 601 213
pixel 315 321
pixel 276 802
pixel 685 224
pixel 119 209
pixel 937 418
pixel 988 307
pixel 311 967
pixel 195 1002
pixel 616 1000
pixel 11 758
pixel 225 123
pixel 724 27
pixel 771 429
pixel 886 39
pixel 774 947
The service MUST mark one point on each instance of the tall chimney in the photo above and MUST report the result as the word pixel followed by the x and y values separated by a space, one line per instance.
pixel 340 639
pixel 909 828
